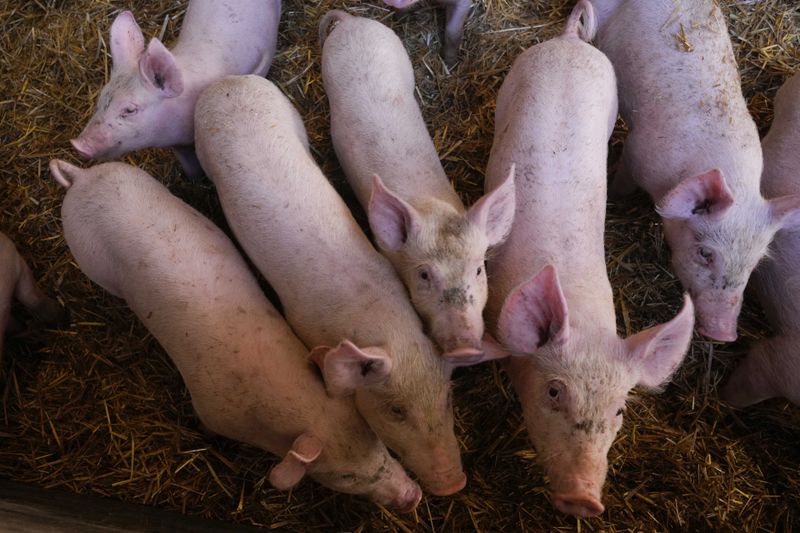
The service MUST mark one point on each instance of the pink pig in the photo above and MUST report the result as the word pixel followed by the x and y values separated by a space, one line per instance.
pixel 246 371
pixel 693 146
pixel 17 282
pixel 772 368
pixel 551 305
pixel 335 288
pixel 418 220
pixel 457 11
pixel 149 100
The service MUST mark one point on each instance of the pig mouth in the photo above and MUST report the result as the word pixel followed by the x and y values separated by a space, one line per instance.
pixel 82 150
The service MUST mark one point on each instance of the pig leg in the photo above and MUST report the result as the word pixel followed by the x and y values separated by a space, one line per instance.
pixel 752 381
pixel 457 11
pixel 189 163
pixel 32 297
pixel 623 184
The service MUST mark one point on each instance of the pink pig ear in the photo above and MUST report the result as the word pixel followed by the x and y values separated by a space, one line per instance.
pixel 494 211
pixel 64 173
pixel 288 473
pixel 706 194
pixel 127 41
pixel 656 352
pixel 785 211
pixel 392 220
pixel 159 70
pixel 347 367
pixel 534 314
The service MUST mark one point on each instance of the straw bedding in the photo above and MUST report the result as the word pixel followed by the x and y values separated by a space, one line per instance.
pixel 97 407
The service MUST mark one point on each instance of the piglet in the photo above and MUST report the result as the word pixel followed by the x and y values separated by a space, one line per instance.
pixel 335 288
pixel 149 100
pixel 551 304
pixel 246 371
pixel 693 146
pixel 772 368
pixel 17 282
pixel 418 220
pixel 457 11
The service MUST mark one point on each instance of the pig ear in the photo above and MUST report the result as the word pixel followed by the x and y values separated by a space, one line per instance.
pixel 347 367
pixel 64 173
pixel 494 211
pixel 127 41
pixel 785 211
pixel 534 314
pixel 288 473
pixel 658 351
pixel 159 70
pixel 392 220
pixel 706 194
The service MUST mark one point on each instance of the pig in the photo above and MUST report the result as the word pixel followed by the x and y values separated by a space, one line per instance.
pixel 437 248
pixel 17 282
pixel 457 11
pixel 551 304
pixel 335 288
pixel 246 371
pixel 149 100
pixel 693 146
pixel 772 368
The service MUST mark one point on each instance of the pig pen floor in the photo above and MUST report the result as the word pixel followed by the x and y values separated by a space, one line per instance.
pixel 97 407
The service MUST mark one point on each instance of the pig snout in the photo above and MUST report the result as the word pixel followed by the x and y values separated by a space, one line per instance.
pixel 580 499
pixel 408 500
pixel 717 316
pixel 458 332
pixel 93 143
pixel 446 482
pixel 577 486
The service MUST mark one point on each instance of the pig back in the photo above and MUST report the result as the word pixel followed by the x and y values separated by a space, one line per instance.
pixel 289 219
pixel 187 283
pixel 376 124
pixel 235 36
pixel 777 278
pixel 680 93
pixel 555 112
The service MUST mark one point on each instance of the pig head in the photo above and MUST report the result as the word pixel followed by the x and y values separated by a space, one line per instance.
pixel 439 254
pixel 419 429
pixel 573 383
pixel 138 107
pixel 716 243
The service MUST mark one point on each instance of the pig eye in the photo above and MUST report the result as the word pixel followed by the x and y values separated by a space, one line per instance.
pixel 130 110
pixel 480 270
pixel 398 411
pixel 705 256
pixel 555 393
pixel 424 275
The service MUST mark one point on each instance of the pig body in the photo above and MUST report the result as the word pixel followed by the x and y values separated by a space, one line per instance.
pixel 693 146
pixel 772 368
pixel 247 373
pixel 550 303
pixel 336 290
pixel 419 222
pixel 17 283
pixel 457 11
pixel 149 100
